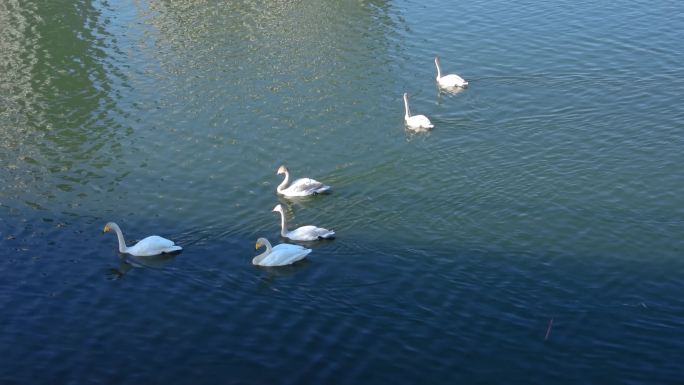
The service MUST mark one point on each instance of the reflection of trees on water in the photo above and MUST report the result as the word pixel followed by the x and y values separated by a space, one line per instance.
pixel 275 70
pixel 302 33
pixel 57 128
pixel 296 50
pixel 77 76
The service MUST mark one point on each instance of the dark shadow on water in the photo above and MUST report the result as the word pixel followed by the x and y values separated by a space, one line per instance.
pixel 128 262
pixel 273 273
pixel 289 201
pixel 307 244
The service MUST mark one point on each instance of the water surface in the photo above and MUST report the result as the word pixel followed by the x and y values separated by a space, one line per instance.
pixel 549 190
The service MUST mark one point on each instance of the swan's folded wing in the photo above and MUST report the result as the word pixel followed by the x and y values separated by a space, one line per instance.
pixel 307 185
pixel 310 233
pixel 453 80
pixel 285 254
pixel 152 245
pixel 418 122
pixel 304 233
pixel 325 233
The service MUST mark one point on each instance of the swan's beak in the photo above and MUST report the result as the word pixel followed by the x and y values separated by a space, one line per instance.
pixel 256 247
pixel 106 229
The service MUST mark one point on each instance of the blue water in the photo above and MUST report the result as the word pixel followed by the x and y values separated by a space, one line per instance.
pixel 533 237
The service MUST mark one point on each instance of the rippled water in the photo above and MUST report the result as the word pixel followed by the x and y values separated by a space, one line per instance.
pixel 534 236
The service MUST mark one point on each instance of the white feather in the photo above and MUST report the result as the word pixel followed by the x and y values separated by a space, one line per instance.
pixel 300 187
pixel 280 255
pixel 416 122
pixel 448 81
pixel 152 245
pixel 304 233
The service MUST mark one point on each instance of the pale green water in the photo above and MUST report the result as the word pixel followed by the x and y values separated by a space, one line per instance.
pixel 550 188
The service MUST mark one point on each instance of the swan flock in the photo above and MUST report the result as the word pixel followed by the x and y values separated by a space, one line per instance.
pixel 286 254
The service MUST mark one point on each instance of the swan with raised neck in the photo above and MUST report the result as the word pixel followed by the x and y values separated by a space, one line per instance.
pixel 149 246
pixel 448 81
pixel 303 233
pixel 416 122
pixel 300 187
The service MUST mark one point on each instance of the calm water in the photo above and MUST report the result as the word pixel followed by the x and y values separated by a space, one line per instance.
pixel 534 236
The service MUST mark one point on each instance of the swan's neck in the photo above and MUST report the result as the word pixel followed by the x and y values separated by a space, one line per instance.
pixel 120 237
pixel 283 185
pixel 439 70
pixel 283 224
pixel 263 255
pixel 406 107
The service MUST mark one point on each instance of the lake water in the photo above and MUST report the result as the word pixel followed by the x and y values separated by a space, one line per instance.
pixel 534 236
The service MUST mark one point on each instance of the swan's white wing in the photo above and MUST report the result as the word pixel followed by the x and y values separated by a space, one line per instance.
pixel 153 245
pixel 310 233
pixel 419 121
pixel 452 80
pixel 285 254
pixel 305 186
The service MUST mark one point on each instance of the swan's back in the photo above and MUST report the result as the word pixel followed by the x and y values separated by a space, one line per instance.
pixel 419 121
pixel 284 254
pixel 305 186
pixel 310 233
pixel 153 245
pixel 452 80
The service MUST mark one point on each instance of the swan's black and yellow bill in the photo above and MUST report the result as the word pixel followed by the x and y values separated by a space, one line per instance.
pixel 106 229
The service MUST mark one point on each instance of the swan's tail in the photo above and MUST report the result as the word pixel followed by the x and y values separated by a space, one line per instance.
pixel 329 235
pixel 173 249
pixel 322 189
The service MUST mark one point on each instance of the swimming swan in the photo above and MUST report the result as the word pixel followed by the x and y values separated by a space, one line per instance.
pixel 152 245
pixel 415 122
pixel 300 187
pixel 448 81
pixel 282 254
pixel 304 233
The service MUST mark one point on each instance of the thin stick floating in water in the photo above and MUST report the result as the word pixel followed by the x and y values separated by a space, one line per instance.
pixel 548 329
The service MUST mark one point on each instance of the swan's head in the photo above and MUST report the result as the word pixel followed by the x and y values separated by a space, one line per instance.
pixel 281 170
pixel 261 242
pixel 278 208
pixel 405 96
pixel 437 60
pixel 108 227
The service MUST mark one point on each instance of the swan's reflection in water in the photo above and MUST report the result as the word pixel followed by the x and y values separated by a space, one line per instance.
pixel 449 90
pixel 273 273
pixel 127 262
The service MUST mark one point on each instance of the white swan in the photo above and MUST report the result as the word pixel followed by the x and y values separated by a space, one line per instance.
pixel 152 245
pixel 415 122
pixel 300 187
pixel 304 233
pixel 449 81
pixel 282 254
